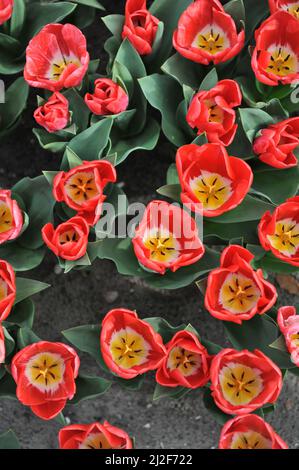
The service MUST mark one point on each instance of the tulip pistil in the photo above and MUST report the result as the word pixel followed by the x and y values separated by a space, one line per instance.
pixel 81 187
pixel 282 61
pixel 128 348
pixel 6 218
pixel 59 66
pixel 186 362
pixel 286 237
pixel 211 189
pixel 240 384
pixel 162 246
pixel 249 440
pixel 45 371
pixel 293 9
pixel 212 39
pixel 238 293
pixel 95 441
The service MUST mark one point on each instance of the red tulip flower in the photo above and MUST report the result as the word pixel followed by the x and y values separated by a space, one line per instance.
pixel 54 114
pixel 212 182
pixel 212 112
pixel 130 346
pixel 56 58
pixel 167 238
pixel 291 6
pixel 2 345
pixel 288 322
pixel 11 217
pixel 6 8
pixel 186 364
pixel 275 58
pixel 82 188
pixel 235 292
pixel 94 436
pixel 243 381
pixel 108 98
pixel 277 143
pixel 207 34
pixel 69 240
pixel 140 26
pixel 249 432
pixel 45 376
pixel 7 289
pixel 279 232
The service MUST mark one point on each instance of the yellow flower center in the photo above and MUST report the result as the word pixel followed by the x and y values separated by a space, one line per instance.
pixel 3 289
pixel 238 294
pixel 215 112
pixel 211 189
pixel 128 348
pixel 295 339
pixel 249 440
pixel 282 61
pixel 6 218
pixel 211 39
pixel 68 236
pixel 286 237
pixel 162 245
pixel 240 384
pixel 81 187
pixel 292 8
pixel 95 441
pixel 45 371
pixel 59 65
pixel 187 362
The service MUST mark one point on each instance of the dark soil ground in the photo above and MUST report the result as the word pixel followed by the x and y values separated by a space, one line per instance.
pixel 85 296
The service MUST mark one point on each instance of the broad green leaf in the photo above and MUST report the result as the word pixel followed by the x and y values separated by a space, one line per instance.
pixel 90 144
pixel 15 101
pixel 184 71
pixel 38 15
pixel 173 191
pixel 28 287
pixel 25 337
pixel 210 405
pixel 254 119
pixel 277 185
pixel 21 258
pixel 22 314
pixel 271 264
pixel 247 230
pixel 88 387
pixel 90 3
pixel 18 17
pixel 210 80
pixel 169 392
pixel 9 342
pixel 132 384
pixel 39 201
pixel 145 140
pixel 8 440
pixel 258 333
pixel 51 142
pixel 114 23
pixel 172 175
pixel 11 53
pixel 169 12
pixel 8 387
pixel 164 328
pixel 165 94
pixel 250 209
pixel 236 9
pixel 279 344
pixel 80 112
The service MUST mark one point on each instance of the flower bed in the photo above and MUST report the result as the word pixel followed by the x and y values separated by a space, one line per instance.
pixel 233 176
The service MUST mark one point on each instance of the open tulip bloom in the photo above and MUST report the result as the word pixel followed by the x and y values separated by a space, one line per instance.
pixel 45 375
pixel 207 34
pixel 249 432
pixel 130 346
pixel 94 436
pixel 221 111
pixel 166 238
pixel 243 381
